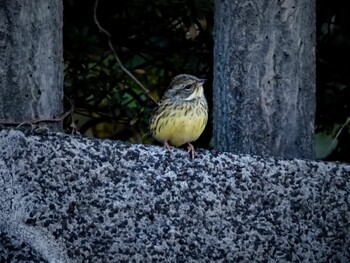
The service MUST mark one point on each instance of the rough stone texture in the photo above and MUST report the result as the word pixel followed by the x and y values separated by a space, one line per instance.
pixel 72 199
pixel 265 77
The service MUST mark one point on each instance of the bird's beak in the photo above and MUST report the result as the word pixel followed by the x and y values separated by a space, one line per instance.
pixel 200 82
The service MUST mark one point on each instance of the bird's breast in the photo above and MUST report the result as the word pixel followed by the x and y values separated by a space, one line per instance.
pixel 180 123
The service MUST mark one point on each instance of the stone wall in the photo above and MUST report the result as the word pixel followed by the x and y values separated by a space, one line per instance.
pixel 73 199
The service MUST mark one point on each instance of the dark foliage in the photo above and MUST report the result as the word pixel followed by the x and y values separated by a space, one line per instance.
pixel 333 79
pixel 155 40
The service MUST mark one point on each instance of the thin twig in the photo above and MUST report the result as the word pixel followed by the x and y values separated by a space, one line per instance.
pixel 338 134
pixel 35 121
pixel 110 44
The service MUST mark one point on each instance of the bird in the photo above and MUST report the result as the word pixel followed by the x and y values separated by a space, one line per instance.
pixel 181 114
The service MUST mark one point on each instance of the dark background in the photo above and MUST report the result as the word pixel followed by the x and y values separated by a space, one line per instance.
pixel 156 40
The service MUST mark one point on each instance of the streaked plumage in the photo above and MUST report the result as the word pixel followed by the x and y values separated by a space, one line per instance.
pixel 182 113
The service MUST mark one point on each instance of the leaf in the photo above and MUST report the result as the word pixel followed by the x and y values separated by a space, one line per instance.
pixel 203 23
pixel 192 31
pixel 133 121
pixel 324 145
pixel 140 71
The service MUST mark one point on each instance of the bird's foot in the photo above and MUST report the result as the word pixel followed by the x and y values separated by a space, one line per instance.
pixel 168 147
pixel 190 148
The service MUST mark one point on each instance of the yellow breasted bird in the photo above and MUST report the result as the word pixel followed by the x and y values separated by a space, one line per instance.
pixel 182 113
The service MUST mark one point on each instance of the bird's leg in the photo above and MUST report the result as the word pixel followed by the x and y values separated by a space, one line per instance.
pixel 190 148
pixel 168 146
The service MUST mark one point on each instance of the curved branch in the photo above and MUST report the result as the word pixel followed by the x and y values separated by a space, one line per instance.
pixel 110 44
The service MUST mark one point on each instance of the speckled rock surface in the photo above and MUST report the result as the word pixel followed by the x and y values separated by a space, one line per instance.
pixel 72 199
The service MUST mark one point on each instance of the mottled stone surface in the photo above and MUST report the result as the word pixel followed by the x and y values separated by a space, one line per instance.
pixel 72 199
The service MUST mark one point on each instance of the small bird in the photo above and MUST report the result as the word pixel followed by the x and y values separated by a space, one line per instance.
pixel 182 113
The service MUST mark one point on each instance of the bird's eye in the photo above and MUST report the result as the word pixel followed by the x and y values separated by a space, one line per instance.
pixel 187 87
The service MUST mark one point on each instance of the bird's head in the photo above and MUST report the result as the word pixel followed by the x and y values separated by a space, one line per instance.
pixel 185 88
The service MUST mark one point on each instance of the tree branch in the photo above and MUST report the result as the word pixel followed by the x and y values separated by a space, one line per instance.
pixel 110 44
pixel 36 121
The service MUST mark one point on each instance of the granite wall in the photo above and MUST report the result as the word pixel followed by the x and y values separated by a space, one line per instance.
pixel 72 199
